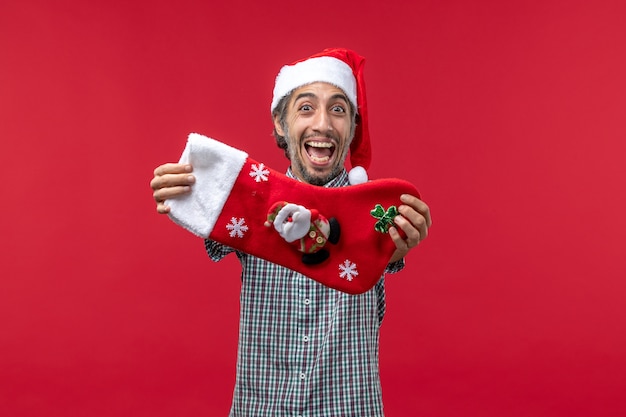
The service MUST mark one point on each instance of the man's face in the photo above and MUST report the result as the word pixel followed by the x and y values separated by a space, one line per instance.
pixel 318 131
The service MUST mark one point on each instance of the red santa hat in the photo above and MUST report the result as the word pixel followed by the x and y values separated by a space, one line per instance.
pixel 342 68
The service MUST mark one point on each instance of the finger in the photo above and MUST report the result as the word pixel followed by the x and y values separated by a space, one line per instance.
pixel 162 194
pixel 419 206
pixel 412 233
pixel 401 244
pixel 172 180
pixel 162 208
pixel 172 168
pixel 416 220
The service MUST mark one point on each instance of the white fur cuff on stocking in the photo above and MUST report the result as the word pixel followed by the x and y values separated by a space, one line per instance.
pixel 216 167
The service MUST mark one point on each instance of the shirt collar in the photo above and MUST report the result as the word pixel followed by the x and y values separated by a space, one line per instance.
pixel 340 180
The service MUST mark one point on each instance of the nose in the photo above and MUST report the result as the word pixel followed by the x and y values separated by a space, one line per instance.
pixel 321 122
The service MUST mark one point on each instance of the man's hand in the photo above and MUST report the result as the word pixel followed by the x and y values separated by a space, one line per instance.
pixel 170 180
pixel 414 221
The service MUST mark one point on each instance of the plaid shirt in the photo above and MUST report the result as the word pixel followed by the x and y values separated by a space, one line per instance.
pixel 305 349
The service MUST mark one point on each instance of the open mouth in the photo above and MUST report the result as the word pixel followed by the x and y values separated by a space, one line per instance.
pixel 319 152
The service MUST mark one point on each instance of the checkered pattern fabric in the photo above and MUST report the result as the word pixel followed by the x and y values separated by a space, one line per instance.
pixel 305 349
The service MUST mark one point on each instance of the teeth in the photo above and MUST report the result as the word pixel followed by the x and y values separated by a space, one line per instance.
pixel 320 144
pixel 320 160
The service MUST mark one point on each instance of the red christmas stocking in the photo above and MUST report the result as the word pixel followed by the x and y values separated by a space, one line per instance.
pixel 336 236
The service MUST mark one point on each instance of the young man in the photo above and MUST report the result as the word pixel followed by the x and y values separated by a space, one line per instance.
pixel 306 349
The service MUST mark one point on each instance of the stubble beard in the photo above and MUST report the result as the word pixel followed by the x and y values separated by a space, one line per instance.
pixel 298 166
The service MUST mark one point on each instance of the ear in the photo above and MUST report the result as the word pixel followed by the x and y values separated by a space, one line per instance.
pixel 277 126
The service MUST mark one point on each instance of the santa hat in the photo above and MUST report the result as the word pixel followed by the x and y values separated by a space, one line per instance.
pixel 342 68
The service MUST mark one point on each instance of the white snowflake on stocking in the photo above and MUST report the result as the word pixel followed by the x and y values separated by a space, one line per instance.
pixel 348 270
pixel 259 173
pixel 237 227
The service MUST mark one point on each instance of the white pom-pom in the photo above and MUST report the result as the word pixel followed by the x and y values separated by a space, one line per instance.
pixel 357 175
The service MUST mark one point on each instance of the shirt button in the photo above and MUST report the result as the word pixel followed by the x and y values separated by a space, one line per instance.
pixel 305 338
pixel 302 375
pixel 307 301
pixel 312 234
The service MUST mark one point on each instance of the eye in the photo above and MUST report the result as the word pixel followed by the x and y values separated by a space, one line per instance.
pixel 306 107
pixel 338 109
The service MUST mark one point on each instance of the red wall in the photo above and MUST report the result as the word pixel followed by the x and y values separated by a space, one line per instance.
pixel 508 116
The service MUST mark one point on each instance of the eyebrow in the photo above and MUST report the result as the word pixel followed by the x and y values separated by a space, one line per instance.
pixel 311 95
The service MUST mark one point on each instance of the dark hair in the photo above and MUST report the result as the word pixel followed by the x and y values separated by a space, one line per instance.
pixel 281 111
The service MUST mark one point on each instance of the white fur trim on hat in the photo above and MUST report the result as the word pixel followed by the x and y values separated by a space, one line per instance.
pixel 320 69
